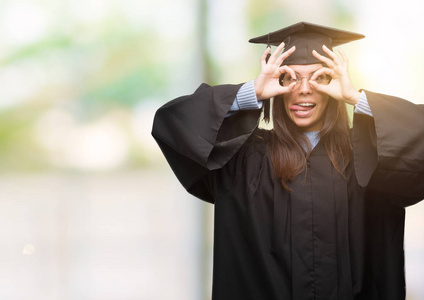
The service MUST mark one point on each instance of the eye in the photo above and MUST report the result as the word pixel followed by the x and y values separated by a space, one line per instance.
pixel 290 78
pixel 320 78
pixel 323 79
pixel 286 79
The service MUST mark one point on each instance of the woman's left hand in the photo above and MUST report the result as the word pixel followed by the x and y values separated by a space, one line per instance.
pixel 340 87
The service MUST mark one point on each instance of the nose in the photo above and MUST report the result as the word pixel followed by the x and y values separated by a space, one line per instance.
pixel 305 87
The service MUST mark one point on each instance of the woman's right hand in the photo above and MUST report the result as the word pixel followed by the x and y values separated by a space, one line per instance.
pixel 267 84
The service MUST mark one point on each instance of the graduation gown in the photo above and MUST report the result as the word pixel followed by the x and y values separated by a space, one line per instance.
pixel 332 236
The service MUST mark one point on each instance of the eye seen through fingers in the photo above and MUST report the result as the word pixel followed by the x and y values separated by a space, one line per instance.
pixel 286 79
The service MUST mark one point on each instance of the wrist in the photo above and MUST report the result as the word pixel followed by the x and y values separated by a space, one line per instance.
pixel 354 99
pixel 357 96
pixel 258 91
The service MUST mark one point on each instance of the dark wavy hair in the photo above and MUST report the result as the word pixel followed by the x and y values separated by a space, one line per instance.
pixel 289 158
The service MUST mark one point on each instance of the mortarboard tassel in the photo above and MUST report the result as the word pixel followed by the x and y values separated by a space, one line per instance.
pixel 266 104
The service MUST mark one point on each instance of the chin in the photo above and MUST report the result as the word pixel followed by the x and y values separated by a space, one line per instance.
pixel 305 125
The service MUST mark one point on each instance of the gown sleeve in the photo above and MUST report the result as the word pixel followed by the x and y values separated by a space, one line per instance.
pixel 389 148
pixel 197 138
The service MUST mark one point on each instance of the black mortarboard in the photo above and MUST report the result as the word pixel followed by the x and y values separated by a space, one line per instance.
pixel 306 37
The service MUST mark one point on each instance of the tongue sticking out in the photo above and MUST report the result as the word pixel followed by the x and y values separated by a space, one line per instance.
pixel 301 108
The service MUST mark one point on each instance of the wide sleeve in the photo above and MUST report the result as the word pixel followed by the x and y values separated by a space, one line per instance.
pixel 197 138
pixel 389 148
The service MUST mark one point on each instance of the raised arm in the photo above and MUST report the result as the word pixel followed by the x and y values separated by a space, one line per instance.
pixel 389 148
pixel 196 137
pixel 388 136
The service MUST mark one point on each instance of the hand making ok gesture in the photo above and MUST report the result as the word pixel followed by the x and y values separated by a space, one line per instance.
pixel 267 84
pixel 340 87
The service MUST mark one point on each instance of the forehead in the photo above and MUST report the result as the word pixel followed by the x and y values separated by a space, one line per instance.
pixel 306 69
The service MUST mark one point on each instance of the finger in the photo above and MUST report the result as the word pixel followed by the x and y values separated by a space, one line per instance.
pixel 319 72
pixel 330 53
pixel 291 87
pixel 319 87
pixel 287 69
pixel 263 57
pixel 324 59
pixel 276 53
pixel 343 55
pixel 284 56
pixel 285 90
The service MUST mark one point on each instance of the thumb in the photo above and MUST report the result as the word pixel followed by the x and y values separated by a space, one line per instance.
pixel 318 87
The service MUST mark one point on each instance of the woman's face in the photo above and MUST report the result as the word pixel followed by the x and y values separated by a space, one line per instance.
pixel 305 106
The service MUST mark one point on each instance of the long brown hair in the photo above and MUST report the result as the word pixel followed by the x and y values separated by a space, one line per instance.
pixel 289 158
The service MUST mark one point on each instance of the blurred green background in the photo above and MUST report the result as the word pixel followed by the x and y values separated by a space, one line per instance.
pixel 88 207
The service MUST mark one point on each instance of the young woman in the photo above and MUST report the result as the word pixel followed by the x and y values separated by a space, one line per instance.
pixel 310 209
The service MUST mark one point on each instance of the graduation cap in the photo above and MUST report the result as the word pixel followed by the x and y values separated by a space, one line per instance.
pixel 306 37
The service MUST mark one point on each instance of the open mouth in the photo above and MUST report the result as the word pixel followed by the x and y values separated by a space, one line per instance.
pixel 302 107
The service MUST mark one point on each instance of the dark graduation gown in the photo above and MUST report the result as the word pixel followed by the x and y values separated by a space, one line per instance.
pixel 331 237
